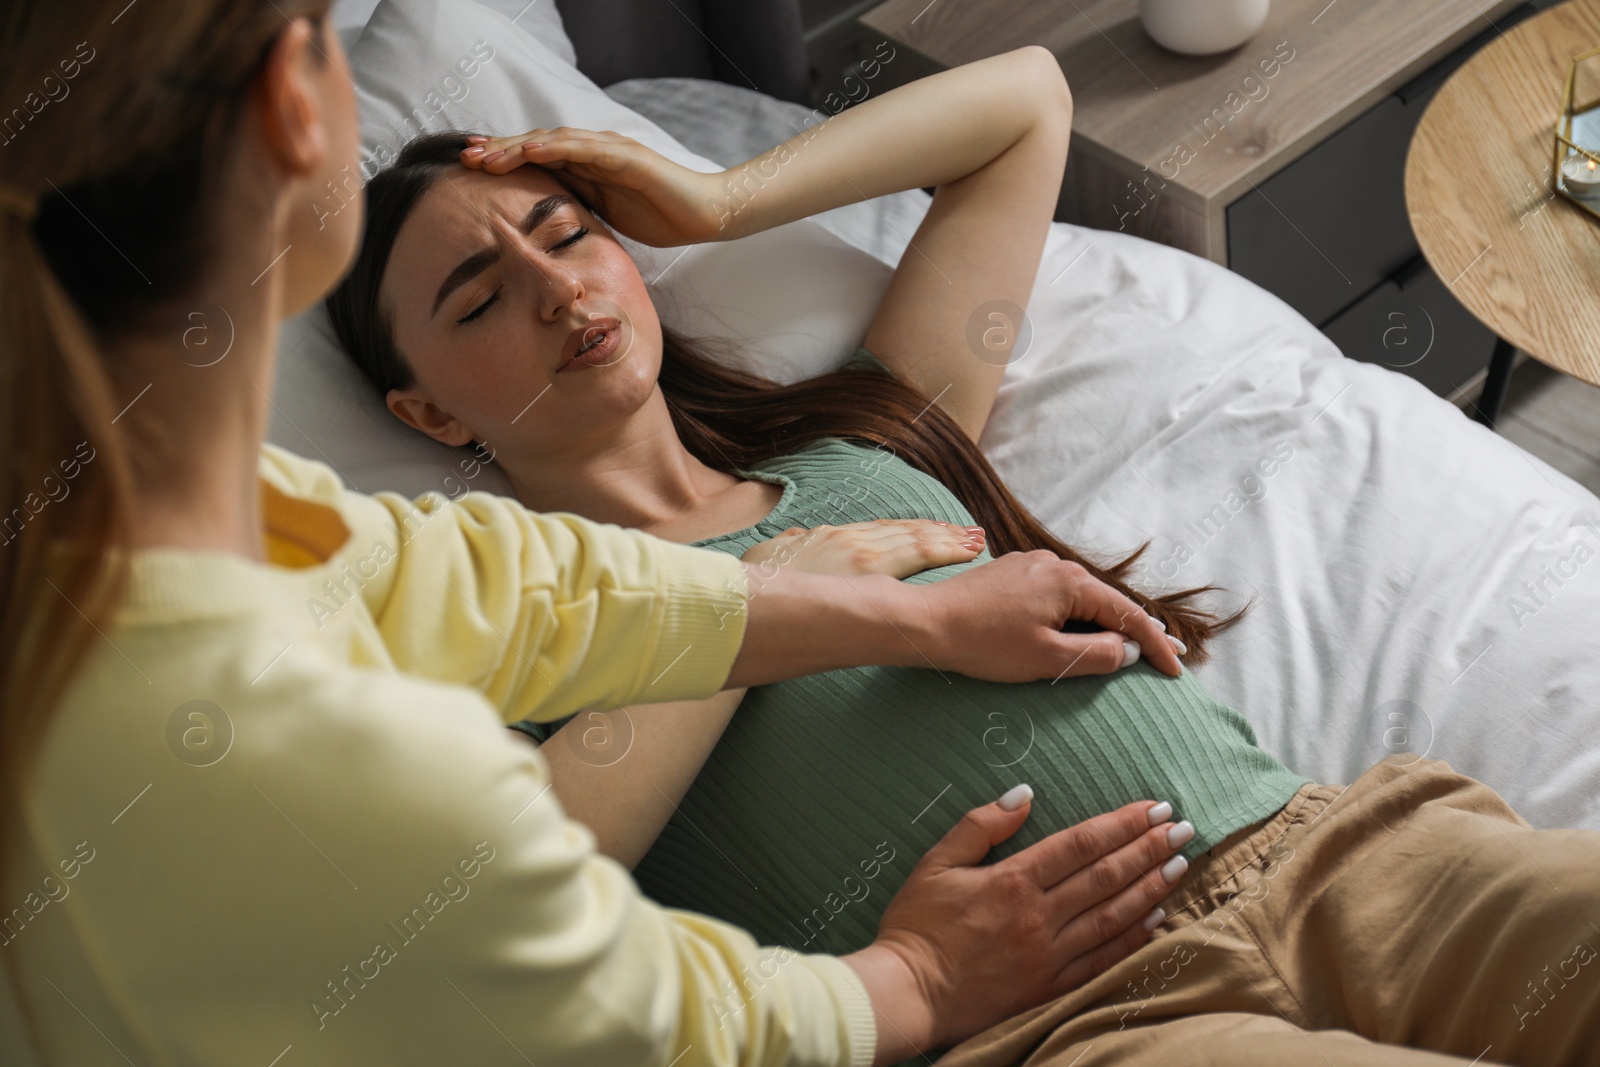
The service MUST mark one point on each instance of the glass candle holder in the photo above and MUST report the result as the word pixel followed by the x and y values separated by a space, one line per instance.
pixel 1575 164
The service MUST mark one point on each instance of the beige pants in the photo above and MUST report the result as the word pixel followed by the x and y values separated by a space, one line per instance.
pixel 1410 918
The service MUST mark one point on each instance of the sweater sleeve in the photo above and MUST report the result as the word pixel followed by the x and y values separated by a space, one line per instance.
pixel 551 942
pixel 544 614
pixel 375 872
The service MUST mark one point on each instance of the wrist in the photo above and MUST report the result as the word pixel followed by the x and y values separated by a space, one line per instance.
pixel 900 1004
pixel 730 195
pixel 759 193
pixel 902 631
pixel 799 623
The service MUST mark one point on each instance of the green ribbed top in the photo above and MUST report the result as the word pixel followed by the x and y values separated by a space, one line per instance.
pixel 825 790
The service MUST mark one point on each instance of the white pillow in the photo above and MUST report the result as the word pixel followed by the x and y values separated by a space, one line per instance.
pixel 792 302
pixel 539 17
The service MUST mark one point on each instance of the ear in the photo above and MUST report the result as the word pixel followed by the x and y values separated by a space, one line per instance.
pixel 292 101
pixel 420 413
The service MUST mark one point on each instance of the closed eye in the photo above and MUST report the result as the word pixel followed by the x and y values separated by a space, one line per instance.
pixel 480 309
pixel 582 232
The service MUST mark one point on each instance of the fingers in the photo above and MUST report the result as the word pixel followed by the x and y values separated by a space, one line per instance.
pixel 481 145
pixel 1146 864
pixel 979 830
pixel 1103 880
pixel 557 153
pixel 480 157
pixel 898 561
pixel 921 528
pixel 553 148
pixel 554 156
pixel 1102 604
pixel 1101 935
pixel 1084 967
pixel 896 547
pixel 904 548
pixel 486 145
pixel 905 531
pixel 1069 851
pixel 1100 653
pixel 910 557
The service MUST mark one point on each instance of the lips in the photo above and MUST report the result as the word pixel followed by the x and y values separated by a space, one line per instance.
pixel 589 335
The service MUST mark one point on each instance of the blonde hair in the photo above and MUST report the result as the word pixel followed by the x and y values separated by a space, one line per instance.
pixel 113 127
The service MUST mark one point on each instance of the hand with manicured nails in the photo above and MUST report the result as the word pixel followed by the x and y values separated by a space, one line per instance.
pixel 1002 622
pixel 965 945
pixel 896 547
pixel 637 191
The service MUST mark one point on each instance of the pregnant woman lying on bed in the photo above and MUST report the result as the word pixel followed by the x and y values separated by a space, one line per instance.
pixel 492 306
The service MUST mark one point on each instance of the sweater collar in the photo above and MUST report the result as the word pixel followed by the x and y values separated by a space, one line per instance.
pixel 303 540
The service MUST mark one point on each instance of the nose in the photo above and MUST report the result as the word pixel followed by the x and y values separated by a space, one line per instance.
pixel 559 287
pixel 556 283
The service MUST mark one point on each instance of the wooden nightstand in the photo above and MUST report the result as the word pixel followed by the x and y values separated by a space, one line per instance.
pixel 1283 160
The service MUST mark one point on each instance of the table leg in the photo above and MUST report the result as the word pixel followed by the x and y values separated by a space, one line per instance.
pixel 1494 386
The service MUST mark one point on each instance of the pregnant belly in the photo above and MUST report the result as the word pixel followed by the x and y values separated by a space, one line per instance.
pixel 825 790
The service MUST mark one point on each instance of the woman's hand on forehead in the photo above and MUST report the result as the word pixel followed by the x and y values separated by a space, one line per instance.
pixel 637 191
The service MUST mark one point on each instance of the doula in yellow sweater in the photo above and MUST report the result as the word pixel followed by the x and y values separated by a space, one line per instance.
pixel 277 819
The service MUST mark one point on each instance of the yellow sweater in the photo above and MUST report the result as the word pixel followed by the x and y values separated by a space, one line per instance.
pixel 277 819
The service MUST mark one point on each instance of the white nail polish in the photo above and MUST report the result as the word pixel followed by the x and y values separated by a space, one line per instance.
pixel 1174 868
pixel 1130 653
pixel 1178 646
pixel 1180 833
pixel 1154 919
pixel 1015 797
pixel 1157 621
pixel 1159 814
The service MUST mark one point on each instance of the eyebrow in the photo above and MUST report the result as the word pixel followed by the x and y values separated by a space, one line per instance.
pixel 480 261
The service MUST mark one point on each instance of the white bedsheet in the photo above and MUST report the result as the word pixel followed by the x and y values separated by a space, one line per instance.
pixel 1422 585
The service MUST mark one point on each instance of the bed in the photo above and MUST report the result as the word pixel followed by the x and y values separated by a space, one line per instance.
pixel 1421 585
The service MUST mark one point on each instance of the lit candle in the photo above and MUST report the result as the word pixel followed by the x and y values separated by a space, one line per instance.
pixel 1581 176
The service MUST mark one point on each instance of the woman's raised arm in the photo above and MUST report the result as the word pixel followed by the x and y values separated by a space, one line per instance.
pixel 991 136
pixel 953 311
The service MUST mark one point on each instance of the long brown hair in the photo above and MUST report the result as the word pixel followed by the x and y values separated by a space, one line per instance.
pixel 731 419
pixel 117 129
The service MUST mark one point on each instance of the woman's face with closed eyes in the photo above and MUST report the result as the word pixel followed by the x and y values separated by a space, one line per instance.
pixel 526 323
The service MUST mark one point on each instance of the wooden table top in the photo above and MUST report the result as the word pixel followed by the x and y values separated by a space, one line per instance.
pixel 1135 102
pixel 1522 259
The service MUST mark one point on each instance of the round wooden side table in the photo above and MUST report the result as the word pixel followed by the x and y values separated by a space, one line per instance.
pixel 1523 259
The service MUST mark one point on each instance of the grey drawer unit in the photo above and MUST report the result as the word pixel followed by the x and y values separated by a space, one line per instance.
pixel 1329 227
pixel 1410 323
pixel 1330 235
